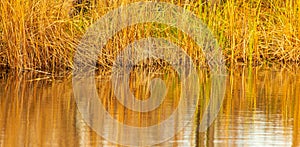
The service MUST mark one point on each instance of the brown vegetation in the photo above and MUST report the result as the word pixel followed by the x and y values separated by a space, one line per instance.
pixel 41 35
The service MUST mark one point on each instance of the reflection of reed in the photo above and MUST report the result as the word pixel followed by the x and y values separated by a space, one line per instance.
pixel 260 104
pixel 259 107
pixel 296 129
pixel 139 85
pixel 38 113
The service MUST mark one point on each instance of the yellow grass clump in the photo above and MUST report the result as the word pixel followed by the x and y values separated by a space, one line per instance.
pixel 43 34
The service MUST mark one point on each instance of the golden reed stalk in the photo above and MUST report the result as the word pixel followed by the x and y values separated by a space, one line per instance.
pixel 43 34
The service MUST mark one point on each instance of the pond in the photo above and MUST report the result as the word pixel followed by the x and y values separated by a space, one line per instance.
pixel 261 107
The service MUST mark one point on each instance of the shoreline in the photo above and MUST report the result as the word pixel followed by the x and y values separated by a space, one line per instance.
pixel 104 72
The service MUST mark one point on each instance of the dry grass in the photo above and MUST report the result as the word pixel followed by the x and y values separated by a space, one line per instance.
pixel 41 35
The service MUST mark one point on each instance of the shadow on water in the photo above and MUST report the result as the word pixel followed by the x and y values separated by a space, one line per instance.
pixel 261 108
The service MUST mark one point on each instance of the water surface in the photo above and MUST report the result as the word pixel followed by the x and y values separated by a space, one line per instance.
pixel 261 108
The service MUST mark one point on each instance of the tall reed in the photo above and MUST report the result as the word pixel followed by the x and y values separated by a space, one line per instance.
pixel 43 34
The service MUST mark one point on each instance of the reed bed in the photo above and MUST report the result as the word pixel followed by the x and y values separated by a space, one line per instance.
pixel 43 34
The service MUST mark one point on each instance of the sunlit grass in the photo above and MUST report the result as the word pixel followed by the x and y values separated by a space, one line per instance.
pixel 43 34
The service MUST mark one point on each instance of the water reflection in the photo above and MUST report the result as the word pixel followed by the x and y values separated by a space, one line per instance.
pixel 261 108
